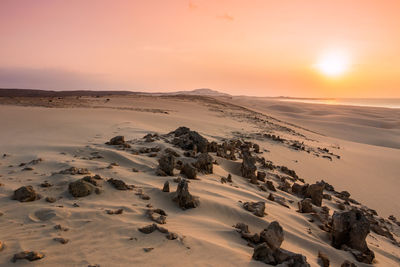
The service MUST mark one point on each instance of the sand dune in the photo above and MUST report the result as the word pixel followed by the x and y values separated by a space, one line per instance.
pixel 69 132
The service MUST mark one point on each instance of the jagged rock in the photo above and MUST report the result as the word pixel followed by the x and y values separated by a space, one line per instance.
pixel 229 178
pixel 25 194
pixel 158 215
pixel 248 167
pixel 258 208
pixel 261 176
pixel 305 205
pixel 74 171
pixel 117 140
pixel 172 152
pixel 117 211
pixel 166 187
pixel 91 180
pixel 351 229
pixel 189 140
pixel 347 263
pixel 256 148
pixel 148 229
pixel 189 171
pixel 28 255
pixel 270 186
pixel 46 184
pixel 182 196
pixel 299 190
pixel 272 235
pixel 271 197
pixel 80 188
pixel 323 258
pixel 343 195
pixel 61 228
pixel 327 196
pixel 171 236
pixel 167 164
pixel 119 184
pixel 253 238
pixel 284 186
pixel 243 228
pixel 289 172
pixel 204 163
pixel 315 192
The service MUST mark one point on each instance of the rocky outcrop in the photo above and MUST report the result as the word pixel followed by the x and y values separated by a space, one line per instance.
pixel 183 198
pixel 167 164
pixel 25 194
pixel 189 140
pixel 315 192
pixel 248 168
pixel 189 171
pixel 349 231
pixel 258 208
pixel 204 163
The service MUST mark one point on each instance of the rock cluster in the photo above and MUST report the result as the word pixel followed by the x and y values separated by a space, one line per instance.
pixel 189 140
pixel 182 196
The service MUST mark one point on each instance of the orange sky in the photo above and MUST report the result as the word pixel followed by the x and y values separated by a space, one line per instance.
pixel 253 47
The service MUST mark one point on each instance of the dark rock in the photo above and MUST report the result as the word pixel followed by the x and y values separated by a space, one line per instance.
pixel 327 196
pixel 270 186
pixel 323 258
pixel 172 152
pixel 28 255
pixel 347 263
pixel 51 199
pixel 299 190
pixel 248 167
pixel 182 196
pixel 148 229
pixel 258 208
pixel 264 253
pixel 204 163
pixel 229 178
pixel 147 249
pixel 242 227
pixel 351 229
pixel 167 164
pixel 166 187
pixel 25 194
pixel 256 148
pixel 46 184
pixel 272 235
pixel 75 171
pixel 80 188
pixel 305 206
pixel 117 140
pixel 119 184
pixel 117 211
pixel 315 192
pixel 189 171
pixel 261 176
pixel 189 140
pixel 171 236
pixel 61 240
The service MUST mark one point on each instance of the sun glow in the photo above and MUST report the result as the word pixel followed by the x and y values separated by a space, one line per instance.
pixel 333 63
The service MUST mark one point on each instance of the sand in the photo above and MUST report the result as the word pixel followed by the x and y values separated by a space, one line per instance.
pixel 65 133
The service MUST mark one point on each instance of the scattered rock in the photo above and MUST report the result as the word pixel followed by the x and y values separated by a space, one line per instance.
pixel 117 211
pixel 148 229
pixel 347 263
pixel 75 171
pixel 204 163
pixel 305 205
pixel 270 186
pixel 119 184
pixel 172 152
pixel 182 196
pixel 258 208
pixel 351 229
pixel 116 141
pixel 229 178
pixel 189 171
pixel 46 184
pixel 147 249
pixel 261 176
pixel 25 194
pixel 167 164
pixel 323 258
pixel 158 216
pixel 61 240
pixel 166 187
pixel 61 228
pixel 28 255
pixel 242 227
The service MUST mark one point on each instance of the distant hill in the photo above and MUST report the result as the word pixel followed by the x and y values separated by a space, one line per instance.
pixel 11 92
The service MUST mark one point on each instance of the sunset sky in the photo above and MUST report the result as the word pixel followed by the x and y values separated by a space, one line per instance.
pixel 253 47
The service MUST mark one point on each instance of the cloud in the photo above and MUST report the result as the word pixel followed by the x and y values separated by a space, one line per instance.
pixel 226 17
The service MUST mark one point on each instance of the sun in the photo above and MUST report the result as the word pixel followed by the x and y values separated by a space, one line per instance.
pixel 333 63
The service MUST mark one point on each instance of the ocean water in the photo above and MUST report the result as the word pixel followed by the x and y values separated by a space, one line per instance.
pixel 363 102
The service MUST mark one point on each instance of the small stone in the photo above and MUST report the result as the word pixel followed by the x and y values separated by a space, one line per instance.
pixel 270 186
pixel 25 194
pixel 61 228
pixel 51 199
pixel 166 187
pixel 182 196
pixel 61 240
pixel 171 236
pixel 305 205
pixel 147 249
pixel 46 184
pixel 258 208
pixel 118 211
pixel 28 255
pixel 324 260
pixel 119 184
pixel 347 263
pixel 148 229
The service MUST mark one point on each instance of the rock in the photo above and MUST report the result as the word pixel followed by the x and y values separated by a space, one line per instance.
pixel 299 190
pixel 351 229
pixel 189 171
pixel 229 178
pixel 80 188
pixel 347 263
pixel 189 140
pixel 258 208
pixel 147 249
pixel 315 192
pixel 285 186
pixel 305 205
pixel 61 240
pixel 25 194
pixel 60 227
pixel 167 164
pixel 243 228
pixel 148 229
pixel 182 196
pixel 28 255
pixel 204 163
pixel 117 211
pixel 158 216
pixel 119 184
pixel 323 258
pixel 117 140
pixel 1 245
pixel 248 167
pixel 166 187
pixel 261 176
pixel 135 170
pixel 171 236
pixel 46 184
pixel 172 152
pixel 343 195
pixel 270 186
pixel 75 171
pixel 272 235
pixel 256 148
pixel 264 253
pixel 327 196
pixel 253 238
pixel 51 199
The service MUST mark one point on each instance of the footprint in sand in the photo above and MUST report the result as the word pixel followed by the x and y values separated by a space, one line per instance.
pixel 47 215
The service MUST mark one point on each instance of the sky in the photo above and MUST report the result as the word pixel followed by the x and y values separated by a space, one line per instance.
pixel 241 47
